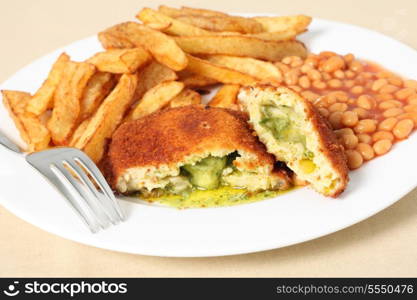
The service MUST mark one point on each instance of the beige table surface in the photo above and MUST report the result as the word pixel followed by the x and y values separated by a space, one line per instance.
pixel 383 245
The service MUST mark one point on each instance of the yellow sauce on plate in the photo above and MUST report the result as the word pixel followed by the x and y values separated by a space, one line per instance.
pixel 223 196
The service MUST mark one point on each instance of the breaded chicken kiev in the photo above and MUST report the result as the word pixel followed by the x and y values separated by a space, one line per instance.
pixel 179 149
pixel 293 130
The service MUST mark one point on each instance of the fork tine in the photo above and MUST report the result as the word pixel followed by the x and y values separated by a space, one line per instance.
pixel 102 209
pixel 64 189
pixel 90 194
pixel 101 182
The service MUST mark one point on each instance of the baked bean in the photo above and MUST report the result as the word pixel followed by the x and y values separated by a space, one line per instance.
pixel 314 74
pixel 365 126
pixel 350 118
pixel 334 83
pixel 404 93
pixel 338 107
pixel 350 74
pixel 335 119
pixel 412 99
pixel 383 74
pixel 320 85
pixel 340 96
pixel 354 159
pixel 349 57
pixel 311 61
pixel 332 64
pixel 324 112
pixel 388 89
pixel 382 146
pixel 361 112
pixel 356 66
pixel 351 101
pixel 309 95
pixel 411 108
pixel 403 128
pixel 378 84
pixel 389 104
pixel 287 60
pixel 364 138
pixel 304 82
pixel 349 83
pixel 409 115
pixel 387 124
pixel 296 62
pixel 339 74
pixel 384 97
pixel 366 151
pixel 349 141
pixel 392 112
pixel 382 135
pixel 357 89
pixel 395 80
pixel 326 76
pixel 291 77
pixel 366 102
pixel 305 68
pixel 410 84
pixel 326 54
pixel 343 131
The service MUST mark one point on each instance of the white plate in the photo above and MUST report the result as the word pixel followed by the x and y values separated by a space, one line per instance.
pixel 295 217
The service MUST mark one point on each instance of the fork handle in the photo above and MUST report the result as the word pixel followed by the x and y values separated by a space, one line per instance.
pixel 6 142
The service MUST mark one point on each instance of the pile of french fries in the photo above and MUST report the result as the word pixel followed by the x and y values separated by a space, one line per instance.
pixel 161 61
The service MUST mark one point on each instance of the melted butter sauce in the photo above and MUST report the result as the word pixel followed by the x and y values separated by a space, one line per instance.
pixel 223 196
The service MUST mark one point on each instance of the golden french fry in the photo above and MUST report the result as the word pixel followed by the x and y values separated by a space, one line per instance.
pixel 32 131
pixel 156 98
pixel 186 97
pixel 226 96
pixel 202 12
pixel 162 47
pixel 239 45
pixel 217 72
pixel 66 111
pixel 78 132
pixel 111 41
pixel 120 61
pixel 42 100
pixel 197 81
pixel 150 76
pixel 262 70
pixel 277 36
pixel 98 87
pixel 108 116
pixel 177 27
pixel 298 23
pixel 221 24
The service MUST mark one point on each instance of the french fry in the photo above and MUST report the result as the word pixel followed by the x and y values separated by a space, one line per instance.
pixel 226 97
pixel 186 97
pixel 120 61
pixel 156 98
pixel 111 41
pixel 221 24
pixel 197 81
pixel 98 87
pixel 32 131
pixel 202 12
pixel 298 23
pixel 108 116
pixel 42 100
pixel 162 47
pixel 78 132
pixel 150 76
pixel 66 111
pixel 148 15
pixel 262 70
pixel 238 45
pixel 217 72
pixel 277 36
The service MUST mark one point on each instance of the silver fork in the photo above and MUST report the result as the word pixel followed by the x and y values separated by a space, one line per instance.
pixel 70 170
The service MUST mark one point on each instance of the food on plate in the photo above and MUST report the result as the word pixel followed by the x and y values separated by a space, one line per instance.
pixel 162 47
pixel 31 129
pixel 66 111
pixel 278 24
pixel 120 60
pixel 292 130
pixel 217 72
pixel 42 100
pixel 226 97
pixel 194 147
pixel 156 98
pixel 108 116
pixel 261 70
pixel 237 45
pixel 186 97
pixel 192 80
